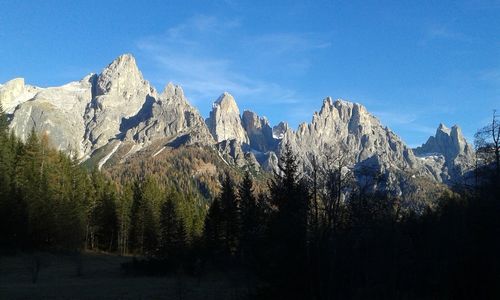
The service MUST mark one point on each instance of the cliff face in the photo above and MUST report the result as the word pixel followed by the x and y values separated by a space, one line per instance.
pixel 225 121
pixel 119 93
pixel 170 116
pixel 447 153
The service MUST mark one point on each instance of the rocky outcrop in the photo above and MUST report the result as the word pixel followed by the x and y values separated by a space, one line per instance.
pixel 225 121
pixel 119 94
pixel 231 151
pixel 15 92
pixel 57 112
pixel 280 130
pixel 347 129
pixel 447 153
pixel 171 117
pixel 259 132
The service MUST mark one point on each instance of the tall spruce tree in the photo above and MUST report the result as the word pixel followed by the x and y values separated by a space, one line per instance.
pixel 231 215
pixel 173 237
pixel 12 210
pixel 289 227
pixel 250 217
pixel 143 232
pixel 124 211
pixel 107 221
pixel 213 231
pixel 4 125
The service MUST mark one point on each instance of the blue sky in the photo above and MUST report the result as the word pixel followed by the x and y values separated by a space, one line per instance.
pixel 413 64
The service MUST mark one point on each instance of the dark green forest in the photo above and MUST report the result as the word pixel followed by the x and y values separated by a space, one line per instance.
pixel 322 236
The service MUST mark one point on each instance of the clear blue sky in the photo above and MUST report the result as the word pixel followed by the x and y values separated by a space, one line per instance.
pixel 413 64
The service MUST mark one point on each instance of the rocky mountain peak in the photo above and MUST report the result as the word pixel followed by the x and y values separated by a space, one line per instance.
pixel 280 130
pixel 456 134
pixel 120 76
pixel 442 128
pixel 15 92
pixel 449 142
pixel 120 94
pixel 327 105
pixel 259 132
pixel 442 131
pixel 452 146
pixel 15 84
pixel 225 121
pixel 252 121
pixel 226 103
pixel 346 127
pixel 172 90
pixel 124 62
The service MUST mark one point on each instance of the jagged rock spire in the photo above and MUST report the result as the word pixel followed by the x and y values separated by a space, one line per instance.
pixel 225 121
pixel 120 93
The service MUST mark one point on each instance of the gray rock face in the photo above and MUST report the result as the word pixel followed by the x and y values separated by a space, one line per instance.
pixel 15 92
pixel 225 121
pixel 259 132
pixel 171 116
pixel 231 152
pixel 119 94
pixel 345 128
pixel 280 130
pixel 56 112
pixel 447 153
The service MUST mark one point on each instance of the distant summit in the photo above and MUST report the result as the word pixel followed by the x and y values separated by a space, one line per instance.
pixel 225 121
pixel 448 145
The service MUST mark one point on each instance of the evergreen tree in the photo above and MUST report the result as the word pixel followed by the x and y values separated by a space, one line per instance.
pixel 124 210
pixel 289 229
pixel 143 232
pixel 290 196
pixel 107 221
pixel 96 196
pixel 213 232
pixel 250 221
pixel 173 237
pixel 31 179
pixel 231 216
pixel 4 125
pixel 13 218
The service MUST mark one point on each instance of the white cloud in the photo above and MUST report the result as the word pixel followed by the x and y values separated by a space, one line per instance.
pixel 438 32
pixel 204 55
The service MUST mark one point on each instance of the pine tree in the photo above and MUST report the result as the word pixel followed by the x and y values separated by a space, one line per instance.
pixel 124 210
pixel 13 218
pixel 143 232
pixel 289 225
pixel 107 221
pixel 289 195
pixel 93 214
pixel 231 216
pixel 31 179
pixel 213 231
pixel 250 220
pixel 173 237
pixel 4 125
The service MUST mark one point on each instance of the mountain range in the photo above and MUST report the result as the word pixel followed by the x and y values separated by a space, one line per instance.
pixel 117 115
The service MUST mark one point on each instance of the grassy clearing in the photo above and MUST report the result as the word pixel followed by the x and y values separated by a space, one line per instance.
pixel 99 276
